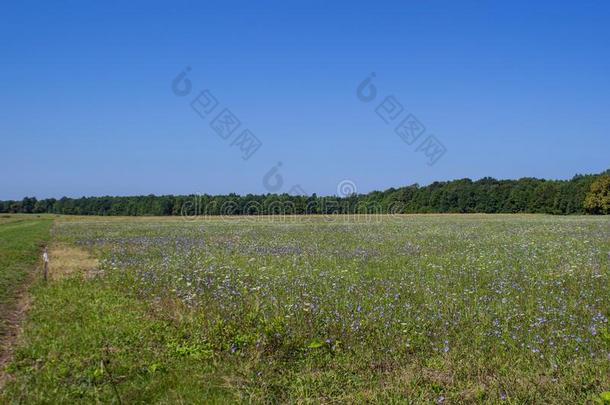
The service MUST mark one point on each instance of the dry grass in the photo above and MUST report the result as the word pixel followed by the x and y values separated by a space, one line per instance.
pixel 65 260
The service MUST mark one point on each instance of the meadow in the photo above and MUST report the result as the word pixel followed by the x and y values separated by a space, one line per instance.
pixel 312 309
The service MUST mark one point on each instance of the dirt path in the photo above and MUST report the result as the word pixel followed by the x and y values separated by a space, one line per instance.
pixel 21 241
pixel 12 318
pixel 64 260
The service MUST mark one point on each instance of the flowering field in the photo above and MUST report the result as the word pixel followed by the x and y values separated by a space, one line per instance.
pixel 415 309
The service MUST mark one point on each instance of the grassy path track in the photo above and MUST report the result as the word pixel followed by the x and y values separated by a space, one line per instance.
pixel 20 242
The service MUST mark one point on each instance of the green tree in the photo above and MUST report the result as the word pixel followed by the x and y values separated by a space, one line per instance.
pixel 597 200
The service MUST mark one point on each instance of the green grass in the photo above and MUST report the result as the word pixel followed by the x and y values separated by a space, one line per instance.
pixel 405 309
pixel 82 343
pixel 20 240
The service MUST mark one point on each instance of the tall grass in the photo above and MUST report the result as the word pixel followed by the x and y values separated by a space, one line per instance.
pixel 408 309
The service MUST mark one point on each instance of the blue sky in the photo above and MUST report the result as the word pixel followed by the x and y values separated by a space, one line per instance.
pixel 511 89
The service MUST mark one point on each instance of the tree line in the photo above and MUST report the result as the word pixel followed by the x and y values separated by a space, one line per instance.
pixel 579 195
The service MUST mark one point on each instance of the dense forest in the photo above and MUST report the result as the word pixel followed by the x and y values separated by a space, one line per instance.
pixel 487 195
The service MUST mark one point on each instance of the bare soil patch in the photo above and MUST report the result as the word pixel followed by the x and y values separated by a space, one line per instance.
pixel 65 260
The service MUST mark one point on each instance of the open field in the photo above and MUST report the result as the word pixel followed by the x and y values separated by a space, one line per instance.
pixel 404 309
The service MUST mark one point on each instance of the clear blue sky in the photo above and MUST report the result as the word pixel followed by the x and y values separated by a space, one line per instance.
pixel 512 89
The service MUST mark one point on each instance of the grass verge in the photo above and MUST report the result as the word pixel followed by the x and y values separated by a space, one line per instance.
pixel 20 243
pixel 87 342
